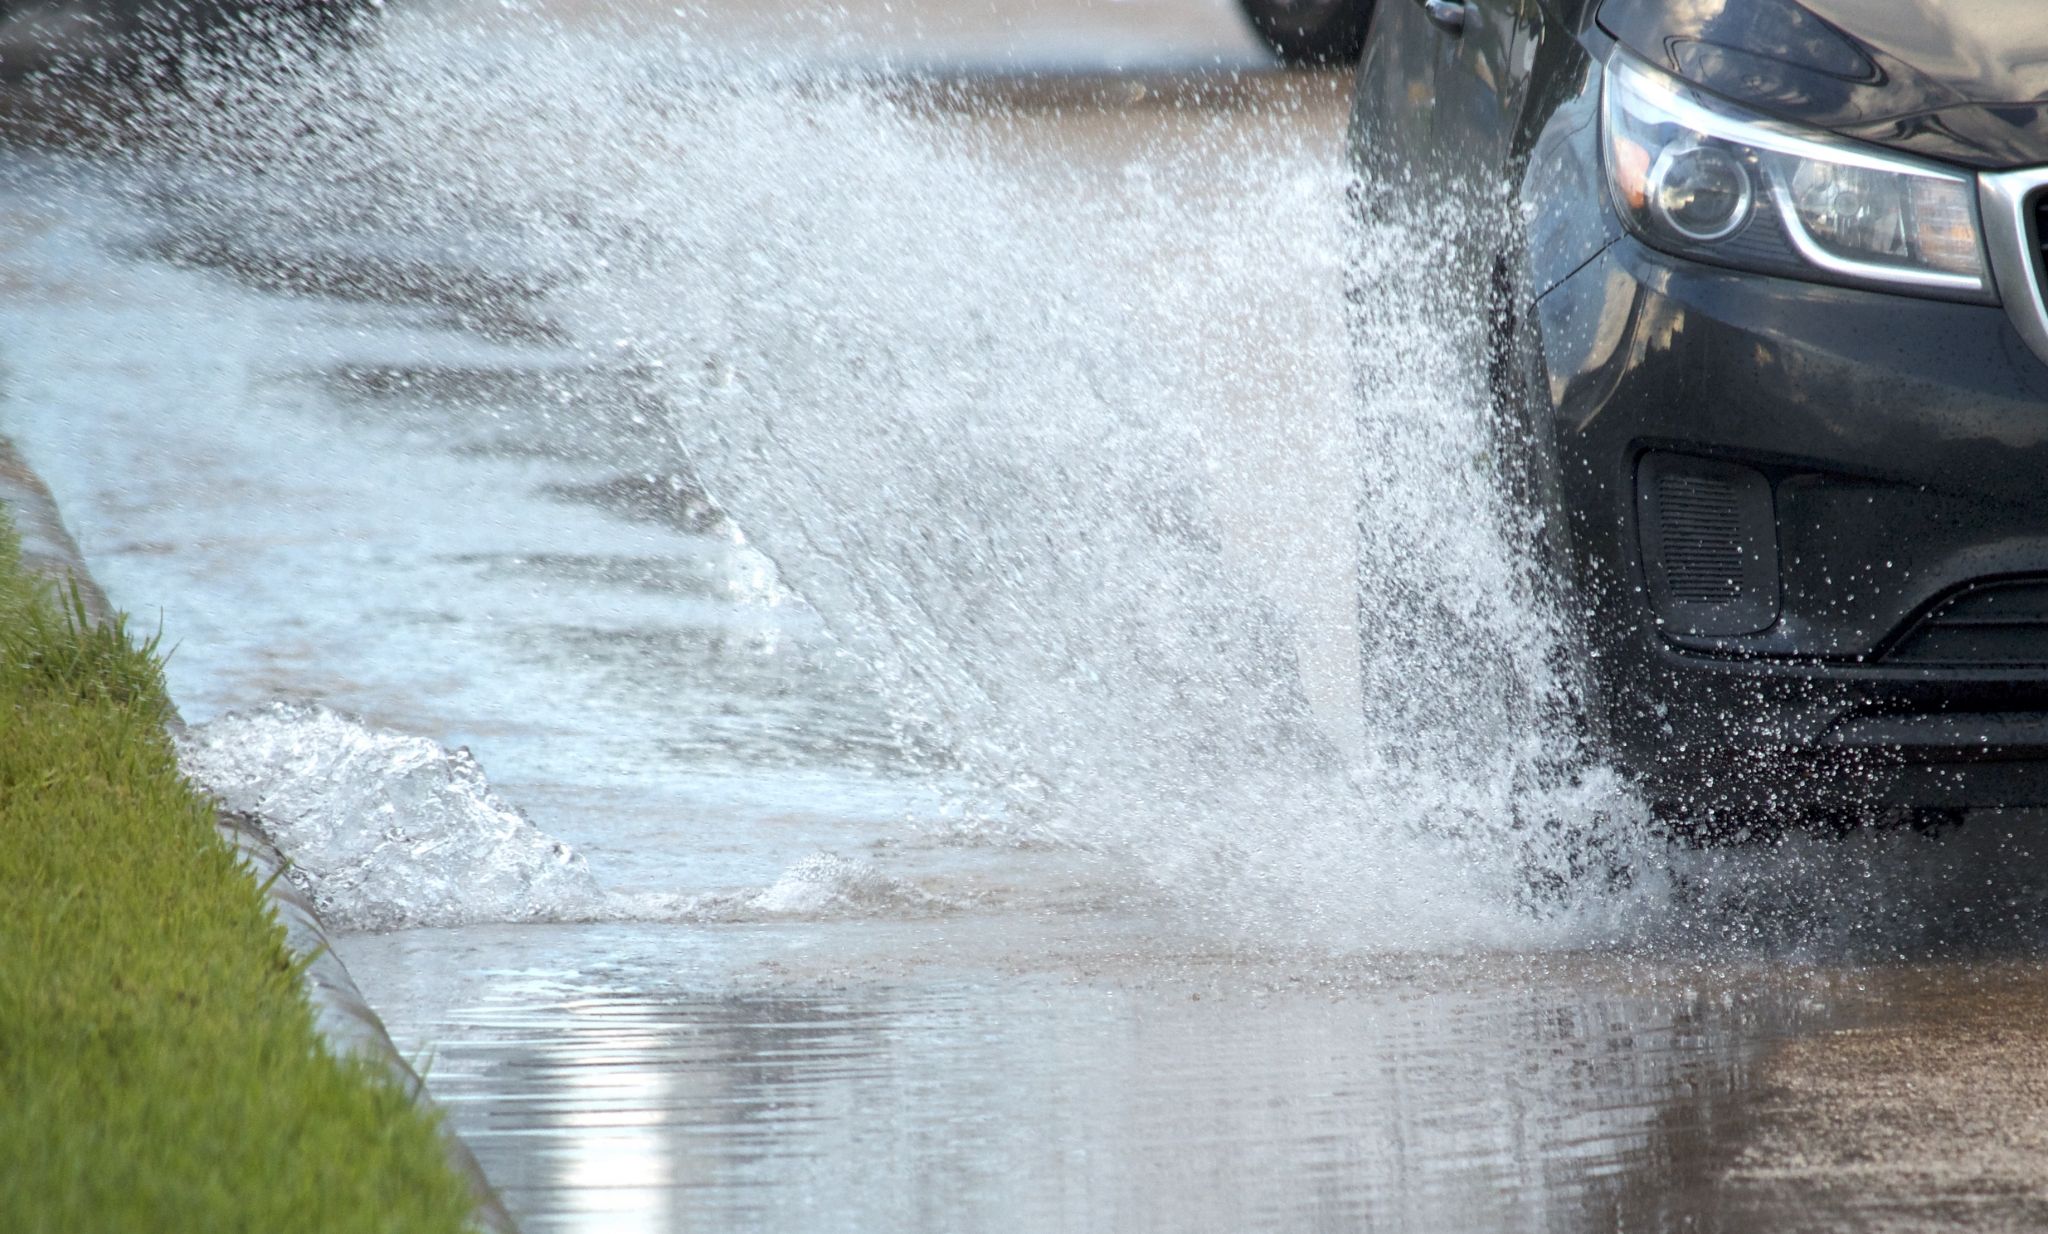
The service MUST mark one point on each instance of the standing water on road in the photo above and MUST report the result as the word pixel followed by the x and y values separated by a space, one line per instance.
pixel 988 725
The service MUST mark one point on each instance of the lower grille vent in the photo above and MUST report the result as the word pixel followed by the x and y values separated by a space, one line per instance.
pixel 1701 531
pixel 1710 545
pixel 2002 625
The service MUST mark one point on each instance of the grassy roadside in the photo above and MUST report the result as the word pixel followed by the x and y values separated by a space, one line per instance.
pixel 159 1070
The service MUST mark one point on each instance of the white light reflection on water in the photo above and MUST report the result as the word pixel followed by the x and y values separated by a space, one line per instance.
pixel 830 1082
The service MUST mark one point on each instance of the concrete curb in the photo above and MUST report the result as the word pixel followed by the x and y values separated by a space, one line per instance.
pixel 340 1012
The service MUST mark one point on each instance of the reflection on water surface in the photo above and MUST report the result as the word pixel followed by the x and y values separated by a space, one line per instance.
pixel 815 1078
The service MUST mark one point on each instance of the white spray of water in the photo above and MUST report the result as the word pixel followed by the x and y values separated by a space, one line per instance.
pixel 1064 440
pixel 385 830
pixel 1071 452
pixel 388 830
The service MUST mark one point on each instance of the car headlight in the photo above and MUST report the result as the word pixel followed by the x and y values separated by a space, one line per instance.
pixel 1695 176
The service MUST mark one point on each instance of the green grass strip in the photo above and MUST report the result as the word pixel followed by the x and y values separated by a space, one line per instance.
pixel 159 1069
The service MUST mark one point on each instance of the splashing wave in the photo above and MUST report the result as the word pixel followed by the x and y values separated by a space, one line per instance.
pixel 1063 440
pixel 382 829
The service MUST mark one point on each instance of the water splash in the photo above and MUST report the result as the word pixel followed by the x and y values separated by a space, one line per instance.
pixel 1064 442
pixel 828 884
pixel 385 830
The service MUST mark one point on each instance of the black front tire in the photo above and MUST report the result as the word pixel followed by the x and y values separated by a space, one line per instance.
pixel 1311 31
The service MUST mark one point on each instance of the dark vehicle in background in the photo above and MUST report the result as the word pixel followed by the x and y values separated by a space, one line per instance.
pixel 1311 31
pixel 1771 361
pixel 124 36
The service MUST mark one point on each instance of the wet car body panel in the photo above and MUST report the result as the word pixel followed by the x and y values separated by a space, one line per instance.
pixel 1396 90
pixel 1480 81
pixel 1900 440
pixel 1963 81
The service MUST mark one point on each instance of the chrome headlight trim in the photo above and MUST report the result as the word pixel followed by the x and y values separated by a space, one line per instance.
pixel 2007 202
pixel 1638 98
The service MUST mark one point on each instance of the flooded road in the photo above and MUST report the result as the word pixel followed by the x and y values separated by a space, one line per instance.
pixel 808 621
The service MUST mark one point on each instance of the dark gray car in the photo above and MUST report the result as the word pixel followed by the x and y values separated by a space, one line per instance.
pixel 1771 353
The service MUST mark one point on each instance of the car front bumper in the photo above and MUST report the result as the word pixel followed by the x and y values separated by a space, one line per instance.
pixel 1809 531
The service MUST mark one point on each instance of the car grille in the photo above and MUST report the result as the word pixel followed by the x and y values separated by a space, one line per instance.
pixel 2015 213
pixel 2038 207
pixel 2000 624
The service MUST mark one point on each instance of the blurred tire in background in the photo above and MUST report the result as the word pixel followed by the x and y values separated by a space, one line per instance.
pixel 1311 31
pixel 125 39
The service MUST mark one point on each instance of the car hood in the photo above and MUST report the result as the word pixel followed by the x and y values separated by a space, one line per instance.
pixel 1965 81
